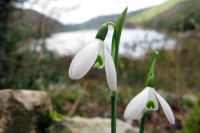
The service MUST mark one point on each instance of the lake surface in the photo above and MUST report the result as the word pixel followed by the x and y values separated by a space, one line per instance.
pixel 134 42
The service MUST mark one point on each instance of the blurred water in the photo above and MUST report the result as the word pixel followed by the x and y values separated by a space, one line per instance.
pixel 134 42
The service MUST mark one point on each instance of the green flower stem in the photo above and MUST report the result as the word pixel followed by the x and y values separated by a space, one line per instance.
pixel 143 121
pixel 114 52
pixel 113 111
pixel 113 93
pixel 113 39
pixel 150 75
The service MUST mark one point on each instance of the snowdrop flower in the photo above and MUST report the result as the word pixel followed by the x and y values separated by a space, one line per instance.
pixel 147 100
pixel 95 54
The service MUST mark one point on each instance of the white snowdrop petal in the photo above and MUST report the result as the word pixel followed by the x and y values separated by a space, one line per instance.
pixel 84 60
pixel 166 108
pixel 135 108
pixel 111 75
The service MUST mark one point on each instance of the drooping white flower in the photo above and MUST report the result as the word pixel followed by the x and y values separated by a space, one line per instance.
pixel 147 100
pixel 94 54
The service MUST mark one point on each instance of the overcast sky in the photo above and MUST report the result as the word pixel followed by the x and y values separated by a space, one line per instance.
pixel 77 11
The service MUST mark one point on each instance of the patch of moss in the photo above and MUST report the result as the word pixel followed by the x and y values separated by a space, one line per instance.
pixel 47 120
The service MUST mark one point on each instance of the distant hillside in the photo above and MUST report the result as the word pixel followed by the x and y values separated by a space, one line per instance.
pixel 32 21
pixel 182 17
pixel 153 12
pixel 174 15
pixel 35 18
pixel 95 23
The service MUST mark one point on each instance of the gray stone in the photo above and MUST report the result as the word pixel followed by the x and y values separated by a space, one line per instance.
pixel 20 110
pixel 189 96
pixel 89 125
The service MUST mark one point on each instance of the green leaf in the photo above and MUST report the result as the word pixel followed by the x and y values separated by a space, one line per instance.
pixel 120 24
pixel 117 35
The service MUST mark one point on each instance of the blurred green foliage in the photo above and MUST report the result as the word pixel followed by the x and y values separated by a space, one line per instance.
pixel 22 68
pixel 186 103
pixel 189 12
pixel 193 120
pixel 26 70
pixel 10 35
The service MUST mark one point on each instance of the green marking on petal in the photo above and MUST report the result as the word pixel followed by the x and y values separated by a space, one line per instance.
pixel 98 63
pixel 150 105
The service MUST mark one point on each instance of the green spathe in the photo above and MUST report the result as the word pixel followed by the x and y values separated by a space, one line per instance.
pixel 151 68
pixel 151 80
pixel 102 32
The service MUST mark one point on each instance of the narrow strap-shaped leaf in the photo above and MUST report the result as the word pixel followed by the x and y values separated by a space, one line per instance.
pixel 120 24
pixel 119 27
